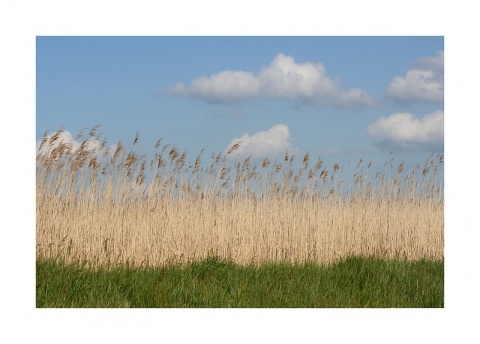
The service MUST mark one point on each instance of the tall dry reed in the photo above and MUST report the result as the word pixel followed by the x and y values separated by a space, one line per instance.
pixel 113 207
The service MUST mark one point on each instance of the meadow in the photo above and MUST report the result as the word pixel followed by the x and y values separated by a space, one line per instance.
pixel 353 282
pixel 113 207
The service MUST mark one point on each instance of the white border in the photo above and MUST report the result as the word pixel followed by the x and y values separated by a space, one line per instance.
pixel 21 21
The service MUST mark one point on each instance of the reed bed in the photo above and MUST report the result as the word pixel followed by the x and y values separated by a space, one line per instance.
pixel 113 206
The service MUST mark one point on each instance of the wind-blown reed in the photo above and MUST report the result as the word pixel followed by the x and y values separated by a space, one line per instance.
pixel 112 206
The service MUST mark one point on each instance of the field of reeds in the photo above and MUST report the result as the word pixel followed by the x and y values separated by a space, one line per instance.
pixel 114 206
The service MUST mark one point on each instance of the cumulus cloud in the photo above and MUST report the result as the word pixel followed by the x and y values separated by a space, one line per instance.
pixel 403 130
pixel 302 83
pixel 57 138
pixel 273 142
pixel 424 81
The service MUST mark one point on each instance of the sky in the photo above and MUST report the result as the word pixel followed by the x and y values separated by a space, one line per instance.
pixel 339 98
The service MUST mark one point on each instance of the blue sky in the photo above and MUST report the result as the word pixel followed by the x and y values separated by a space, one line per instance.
pixel 326 95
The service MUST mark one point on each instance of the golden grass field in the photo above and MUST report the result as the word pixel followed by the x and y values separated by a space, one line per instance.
pixel 115 206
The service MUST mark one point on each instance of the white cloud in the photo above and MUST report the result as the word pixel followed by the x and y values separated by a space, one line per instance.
pixel 273 142
pixel 282 78
pixel 55 139
pixel 225 87
pixel 407 132
pixel 423 82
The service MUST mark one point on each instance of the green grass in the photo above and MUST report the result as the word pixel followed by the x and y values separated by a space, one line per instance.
pixel 352 282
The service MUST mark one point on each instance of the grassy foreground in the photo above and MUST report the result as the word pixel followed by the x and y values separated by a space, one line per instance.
pixel 352 282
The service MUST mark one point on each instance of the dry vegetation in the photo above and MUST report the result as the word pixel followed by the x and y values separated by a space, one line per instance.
pixel 114 206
